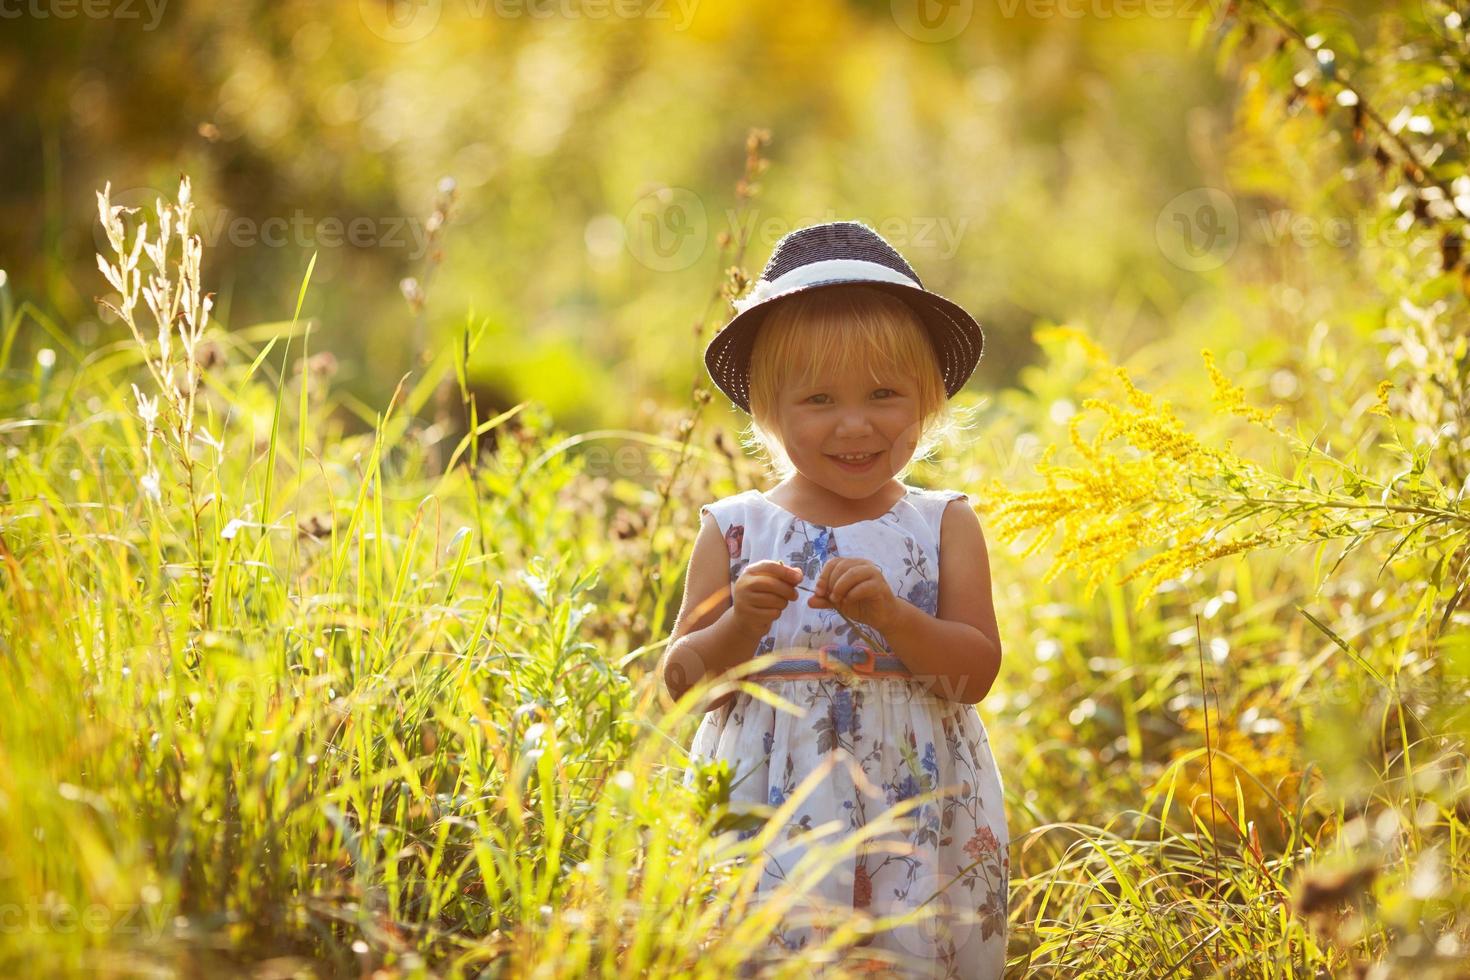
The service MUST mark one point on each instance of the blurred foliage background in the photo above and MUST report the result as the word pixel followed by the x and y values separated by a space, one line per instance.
pixel 1019 165
pixel 304 673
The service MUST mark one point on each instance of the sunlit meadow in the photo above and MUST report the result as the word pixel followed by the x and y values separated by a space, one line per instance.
pixel 296 684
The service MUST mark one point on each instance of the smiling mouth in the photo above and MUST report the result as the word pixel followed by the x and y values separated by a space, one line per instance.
pixel 853 460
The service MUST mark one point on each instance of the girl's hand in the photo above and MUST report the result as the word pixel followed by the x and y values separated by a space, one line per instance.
pixel 762 591
pixel 856 588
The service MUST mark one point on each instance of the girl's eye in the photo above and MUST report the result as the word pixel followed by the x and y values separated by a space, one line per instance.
pixel 890 394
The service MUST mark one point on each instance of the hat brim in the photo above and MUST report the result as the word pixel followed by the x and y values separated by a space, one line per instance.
pixel 958 338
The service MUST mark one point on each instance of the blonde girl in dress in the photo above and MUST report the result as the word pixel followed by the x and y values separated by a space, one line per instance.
pixel 874 594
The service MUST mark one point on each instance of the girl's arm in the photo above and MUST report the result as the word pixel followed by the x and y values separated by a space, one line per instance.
pixel 707 640
pixel 956 654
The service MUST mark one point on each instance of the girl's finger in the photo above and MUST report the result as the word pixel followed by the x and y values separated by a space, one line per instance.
pixel 848 566
pixel 770 586
pixel 848 579
pixel 830 569
pixel 769 565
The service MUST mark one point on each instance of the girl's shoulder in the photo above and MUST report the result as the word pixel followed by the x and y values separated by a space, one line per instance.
pixel 944 494
pixel 728 511
pixel 934 501
pixel 931 503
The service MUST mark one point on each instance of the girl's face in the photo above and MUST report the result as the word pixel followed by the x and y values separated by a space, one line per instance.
pixel 848 413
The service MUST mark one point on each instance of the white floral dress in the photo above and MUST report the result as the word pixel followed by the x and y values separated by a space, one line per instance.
pixel 884 739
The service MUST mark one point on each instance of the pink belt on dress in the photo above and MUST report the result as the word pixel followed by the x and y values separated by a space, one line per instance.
pixel 856 659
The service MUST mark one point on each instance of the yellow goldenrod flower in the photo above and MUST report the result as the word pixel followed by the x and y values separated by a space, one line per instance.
pixel 1380 407
pixel 1231 397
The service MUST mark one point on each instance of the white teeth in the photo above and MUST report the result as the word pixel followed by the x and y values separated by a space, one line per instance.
pixel 855 459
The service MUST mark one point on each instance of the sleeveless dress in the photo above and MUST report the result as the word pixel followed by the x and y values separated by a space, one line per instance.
pixel 884 739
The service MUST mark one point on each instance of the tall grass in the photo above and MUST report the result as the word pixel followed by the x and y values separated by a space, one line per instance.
pixel 290 684
pixel 278 690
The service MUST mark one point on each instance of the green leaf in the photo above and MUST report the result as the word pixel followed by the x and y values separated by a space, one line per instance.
pixel 1328 631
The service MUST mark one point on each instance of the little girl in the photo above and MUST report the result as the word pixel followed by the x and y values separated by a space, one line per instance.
pixel 875 594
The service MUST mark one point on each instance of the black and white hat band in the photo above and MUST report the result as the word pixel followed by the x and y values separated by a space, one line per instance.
pixel 819 272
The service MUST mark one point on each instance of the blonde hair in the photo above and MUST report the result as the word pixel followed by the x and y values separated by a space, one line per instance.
pixel 834 328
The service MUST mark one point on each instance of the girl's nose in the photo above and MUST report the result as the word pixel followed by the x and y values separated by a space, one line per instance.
pixel 853 423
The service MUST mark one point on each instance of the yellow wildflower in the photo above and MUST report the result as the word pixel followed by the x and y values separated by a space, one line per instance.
pixel 1380 407
pixel 1231 397
pixel 1270 755
pixel 1064 332
pixel 1116 503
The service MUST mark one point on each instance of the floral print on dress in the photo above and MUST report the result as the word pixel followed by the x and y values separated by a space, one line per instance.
pixel 923 585
pixel 734 543
pixel 925 595
pixel 813 550
pixel 839 727
pixel 892 743
pixel 733 539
